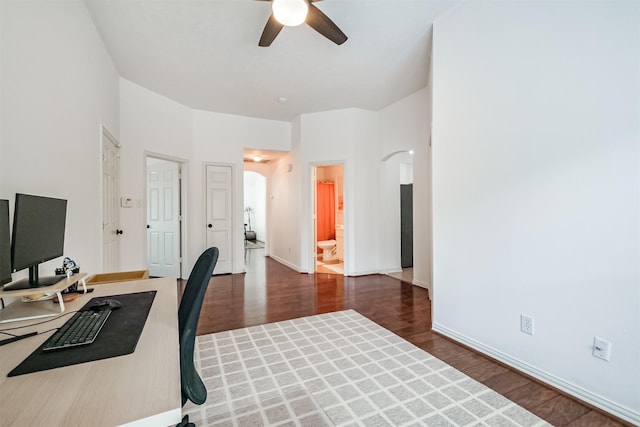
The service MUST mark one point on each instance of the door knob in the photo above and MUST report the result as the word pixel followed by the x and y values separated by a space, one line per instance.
pixel 118 231
pixel 148 226
pixel 210 225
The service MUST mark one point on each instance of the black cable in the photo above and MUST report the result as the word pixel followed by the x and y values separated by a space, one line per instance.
pixel 39 323
pixel 7 333
pixel 15 338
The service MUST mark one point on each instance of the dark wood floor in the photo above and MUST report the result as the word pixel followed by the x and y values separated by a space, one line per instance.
pixel 271 292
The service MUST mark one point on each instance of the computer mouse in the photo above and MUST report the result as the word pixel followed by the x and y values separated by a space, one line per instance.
pixel 106 304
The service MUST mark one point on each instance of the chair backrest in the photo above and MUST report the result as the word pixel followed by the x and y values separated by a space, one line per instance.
pixel 193 388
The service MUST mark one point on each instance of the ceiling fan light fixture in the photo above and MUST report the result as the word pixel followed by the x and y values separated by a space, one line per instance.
pixel 290 12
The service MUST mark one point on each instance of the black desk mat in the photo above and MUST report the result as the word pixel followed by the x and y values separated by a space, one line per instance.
pixel 119 336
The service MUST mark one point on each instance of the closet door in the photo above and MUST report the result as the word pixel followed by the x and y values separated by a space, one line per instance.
pixel 218 224
pixel 163 218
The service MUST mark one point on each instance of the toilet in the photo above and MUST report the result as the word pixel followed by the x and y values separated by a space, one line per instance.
pixel 328 249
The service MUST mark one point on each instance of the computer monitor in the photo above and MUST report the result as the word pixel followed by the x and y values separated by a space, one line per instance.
pixel 38 236
pixel 5 243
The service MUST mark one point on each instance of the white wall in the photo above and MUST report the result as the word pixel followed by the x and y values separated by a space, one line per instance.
pixel 283 199
pixel 394 171
pixel 357 139
pixel 284 192
pixel 362 214
pixel 536 189
pixel 152 123
pixel 347 137
pixel 221 138
pixel 58 86
pixel 406 169
pixel 325 138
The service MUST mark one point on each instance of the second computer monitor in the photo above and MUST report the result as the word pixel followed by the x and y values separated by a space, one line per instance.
pixel 5 243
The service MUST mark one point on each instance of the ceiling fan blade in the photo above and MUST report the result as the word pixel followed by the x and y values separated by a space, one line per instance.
pixel 325 26
pixel 271 30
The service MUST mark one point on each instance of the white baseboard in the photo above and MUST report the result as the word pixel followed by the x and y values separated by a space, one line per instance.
pixel 287 263
pixel 362 273
pixel 569 388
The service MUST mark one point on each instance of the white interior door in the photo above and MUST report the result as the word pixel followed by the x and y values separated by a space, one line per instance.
pixel 110 207
pixel 218 216
pixel 163 218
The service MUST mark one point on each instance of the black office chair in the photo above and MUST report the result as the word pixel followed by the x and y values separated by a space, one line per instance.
pixel 193 388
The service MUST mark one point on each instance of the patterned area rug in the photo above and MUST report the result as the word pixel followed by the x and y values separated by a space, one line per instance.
pixel 338 369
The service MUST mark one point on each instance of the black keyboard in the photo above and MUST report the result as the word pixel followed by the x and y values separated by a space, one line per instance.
pixel 81 329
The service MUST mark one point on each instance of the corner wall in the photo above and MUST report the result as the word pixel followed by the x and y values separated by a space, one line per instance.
pixel 153 123
pixel 404 126
pixel 536 169
pixel 349 137
pixel 283 204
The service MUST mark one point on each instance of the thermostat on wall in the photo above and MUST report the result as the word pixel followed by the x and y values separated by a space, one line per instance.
pixel 126 202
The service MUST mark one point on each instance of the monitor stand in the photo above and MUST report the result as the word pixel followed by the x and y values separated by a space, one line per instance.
pixel 33 281
pixel 20 309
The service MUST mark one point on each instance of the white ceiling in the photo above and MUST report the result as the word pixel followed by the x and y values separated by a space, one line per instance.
pixel 204 53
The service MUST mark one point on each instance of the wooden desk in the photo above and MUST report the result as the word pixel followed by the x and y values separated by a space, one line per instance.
pixel 142 388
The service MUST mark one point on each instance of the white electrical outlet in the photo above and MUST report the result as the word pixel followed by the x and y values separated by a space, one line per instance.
pixel 601 348
pixel 526 324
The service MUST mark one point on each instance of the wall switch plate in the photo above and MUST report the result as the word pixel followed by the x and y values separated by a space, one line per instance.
pixel 126 202
pixel 601 348
pixel 526 324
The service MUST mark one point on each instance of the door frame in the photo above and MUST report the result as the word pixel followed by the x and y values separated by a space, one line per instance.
pixel 267 204
pixel 106 136
pixel 312 209
pixel 184 212
pixel 399 268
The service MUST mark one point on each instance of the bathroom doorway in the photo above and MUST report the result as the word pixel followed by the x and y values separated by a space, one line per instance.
pixel 329 219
